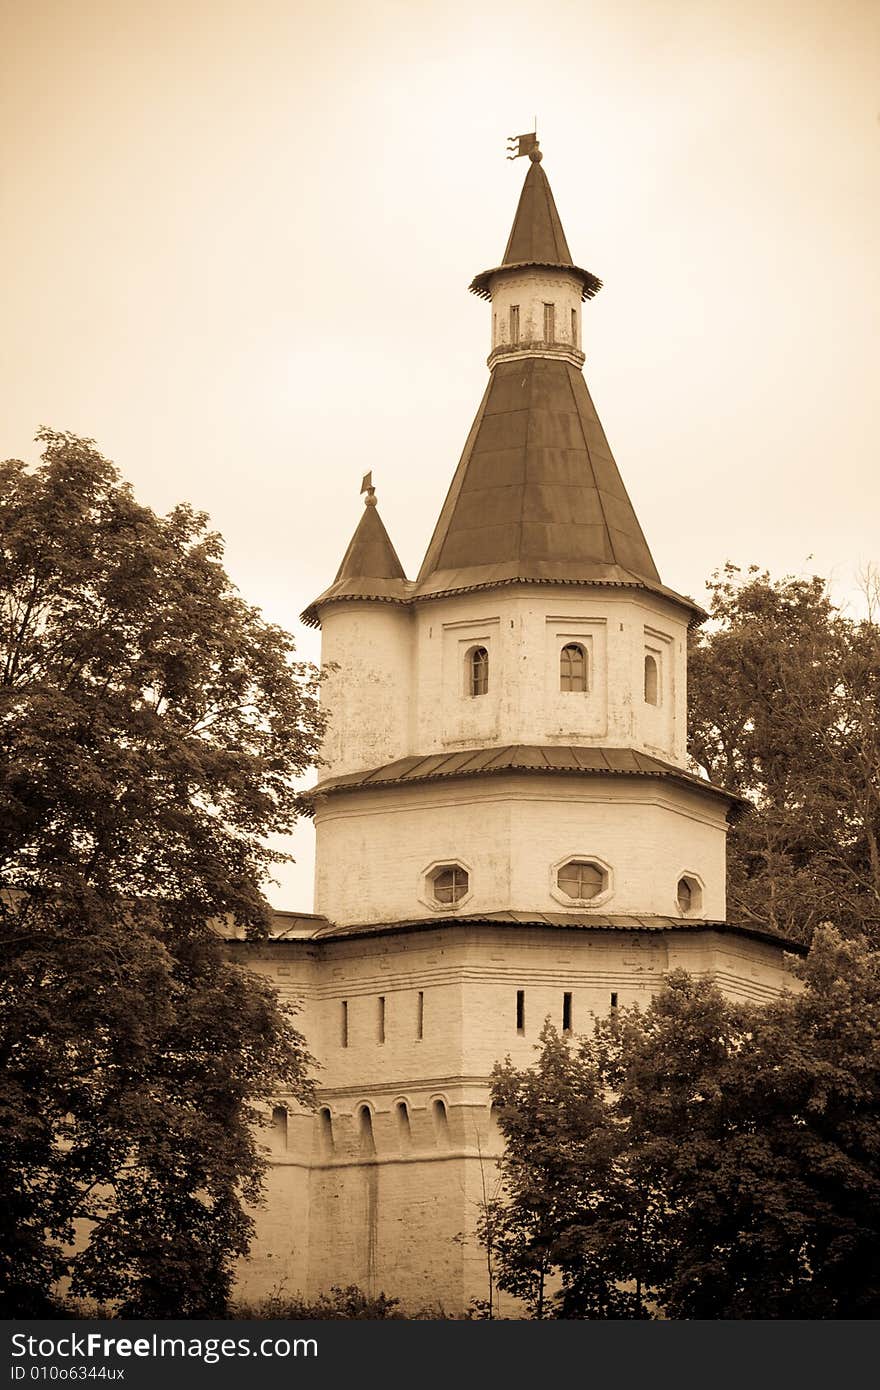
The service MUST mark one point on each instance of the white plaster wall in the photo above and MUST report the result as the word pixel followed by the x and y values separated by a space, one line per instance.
pixel 369 696
pixel 403 1219
pixel 373 848
pixel 524 630
pixel 531 290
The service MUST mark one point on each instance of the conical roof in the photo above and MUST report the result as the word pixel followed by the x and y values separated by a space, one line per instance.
pixel 536 238
pixel 536 234
pixel 537 495
pixel 370 568
pixel 370 554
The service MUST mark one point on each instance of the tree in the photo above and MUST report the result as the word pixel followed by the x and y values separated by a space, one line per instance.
pixel 784 696
pixel 152 727
pixel 748 1142
pixel 568 1215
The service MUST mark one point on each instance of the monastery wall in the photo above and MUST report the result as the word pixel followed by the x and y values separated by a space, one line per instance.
pixel 397 1210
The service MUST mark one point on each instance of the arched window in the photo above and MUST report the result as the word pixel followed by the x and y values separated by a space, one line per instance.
pixel 450 883
pixel 652 680
pixel 279 1125
pixel 365 1132
pixel 404 1130
pixel 684 895
pixel 325 1122
pixel 441 1123
pixel 582 879
pixel 478 671
pixel 573 667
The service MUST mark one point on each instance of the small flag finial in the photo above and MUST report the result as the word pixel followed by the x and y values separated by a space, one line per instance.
pixel 367 487
pixel 524 144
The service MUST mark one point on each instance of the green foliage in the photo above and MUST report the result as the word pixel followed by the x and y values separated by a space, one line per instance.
pixel 784 708
pixel 152 726
pixel 745 1180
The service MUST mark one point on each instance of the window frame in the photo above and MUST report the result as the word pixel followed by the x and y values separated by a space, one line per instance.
pixel 585 655
pixel 654 658
pixel 476 657
pixel 432 871
pixel 579 904
pixel 697 891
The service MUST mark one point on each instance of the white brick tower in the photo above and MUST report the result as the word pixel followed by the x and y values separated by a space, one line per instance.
pixel 506 826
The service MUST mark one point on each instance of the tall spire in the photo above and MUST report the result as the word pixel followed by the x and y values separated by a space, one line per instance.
pixel 536 237
pixel 537 496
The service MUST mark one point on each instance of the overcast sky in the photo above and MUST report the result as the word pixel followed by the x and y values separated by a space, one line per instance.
pixel 239 235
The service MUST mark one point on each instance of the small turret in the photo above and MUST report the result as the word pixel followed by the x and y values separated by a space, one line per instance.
pixel 370 568
pixel 536 291
pixel 365 644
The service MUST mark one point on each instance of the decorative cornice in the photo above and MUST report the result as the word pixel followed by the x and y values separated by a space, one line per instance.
pixel 506 352
pixel 481 285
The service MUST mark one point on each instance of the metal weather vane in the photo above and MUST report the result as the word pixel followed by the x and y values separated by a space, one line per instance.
pixel 522 144
pixel 367 487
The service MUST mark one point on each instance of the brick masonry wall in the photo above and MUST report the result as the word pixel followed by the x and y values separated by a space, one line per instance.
pixel 402 1218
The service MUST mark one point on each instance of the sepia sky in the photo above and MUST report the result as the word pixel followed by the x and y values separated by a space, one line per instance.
pixel 239 233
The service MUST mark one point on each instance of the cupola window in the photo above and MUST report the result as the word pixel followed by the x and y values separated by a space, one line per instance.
pixel 514 323
pixel 574 327
pixel 582 879
pixel 478 671
pixel 573 667
pixel 450 884
pixel 549 323
pixel 652 680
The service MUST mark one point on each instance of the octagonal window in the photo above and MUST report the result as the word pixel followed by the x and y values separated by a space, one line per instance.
pixel 689 894
pixel 582 879
pixel 450 883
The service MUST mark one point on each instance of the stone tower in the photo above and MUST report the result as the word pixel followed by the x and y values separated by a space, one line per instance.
pixel 506 826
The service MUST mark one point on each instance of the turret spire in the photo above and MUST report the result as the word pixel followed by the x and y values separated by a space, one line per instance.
pixel 536 237
pixel 537 496
pixel 370 568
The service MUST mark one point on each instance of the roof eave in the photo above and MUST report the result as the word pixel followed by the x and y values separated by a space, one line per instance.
pixel 524 760
pixel 590 284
